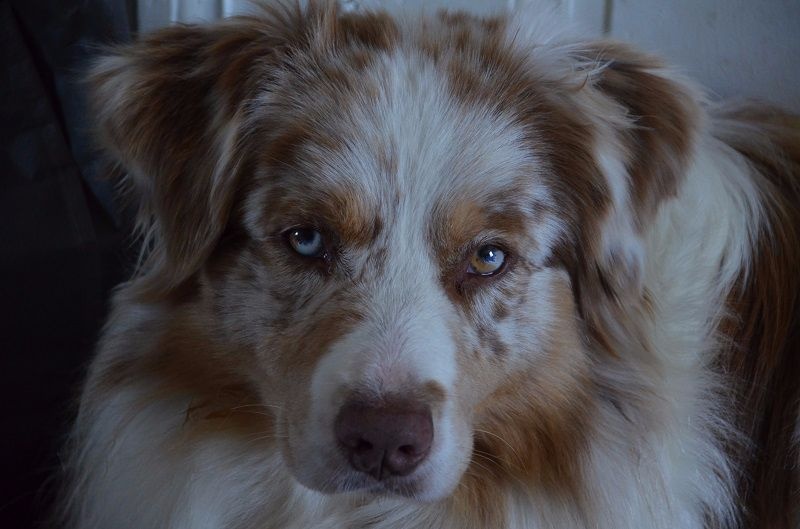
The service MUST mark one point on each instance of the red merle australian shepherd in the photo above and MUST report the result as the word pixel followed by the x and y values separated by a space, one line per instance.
pixel 440 272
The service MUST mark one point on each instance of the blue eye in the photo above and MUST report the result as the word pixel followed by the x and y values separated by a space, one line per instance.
pixel 486 261
pixel 306 242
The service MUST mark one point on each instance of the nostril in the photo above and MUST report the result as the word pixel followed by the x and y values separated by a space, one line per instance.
pixel 408 450
pixel 363 446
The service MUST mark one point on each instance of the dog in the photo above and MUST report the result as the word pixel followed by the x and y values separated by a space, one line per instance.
pixel 439 272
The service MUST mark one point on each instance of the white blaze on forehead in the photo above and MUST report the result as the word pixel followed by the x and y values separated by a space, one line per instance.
pixel 440 145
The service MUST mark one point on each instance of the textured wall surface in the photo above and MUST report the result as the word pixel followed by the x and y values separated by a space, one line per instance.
pixel 736 48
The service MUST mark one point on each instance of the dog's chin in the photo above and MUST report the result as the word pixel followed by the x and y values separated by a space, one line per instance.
pixel 415 487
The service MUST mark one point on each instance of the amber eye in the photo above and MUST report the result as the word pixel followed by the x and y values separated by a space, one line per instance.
pixel 487 260
pixel 307 242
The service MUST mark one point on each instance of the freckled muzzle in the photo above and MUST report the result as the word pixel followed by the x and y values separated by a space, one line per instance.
pixel 386 439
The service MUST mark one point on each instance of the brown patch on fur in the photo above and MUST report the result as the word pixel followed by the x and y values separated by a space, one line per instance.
pixel 356 221
pixel 500 310
pixel 532 428
pixel 463 220
pixel 342 213
pixel 454 227
pixel 479 501
pixel 187 360
pixel 764 327
pixel 321 27
pixel 432 392
pixel 370 29
pixel 458 32
pixel 309 342
pixel 491 342
pixel 283 150
pixel 536 444
pixel 665 120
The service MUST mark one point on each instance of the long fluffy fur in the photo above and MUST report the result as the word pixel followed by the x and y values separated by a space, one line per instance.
pixel 636 365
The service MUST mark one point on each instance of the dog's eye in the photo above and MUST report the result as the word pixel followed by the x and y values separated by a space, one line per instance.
pixel 306 242
pixel 487 260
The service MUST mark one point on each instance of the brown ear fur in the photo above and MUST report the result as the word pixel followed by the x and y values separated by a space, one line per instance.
pixel 657 144
pixel 655 119
pixel 165 110
pixel 664 117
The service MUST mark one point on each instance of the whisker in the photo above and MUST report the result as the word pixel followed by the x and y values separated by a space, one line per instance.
pixel 257 406
pixel 501 439
pixel 495 460
pixel 256 413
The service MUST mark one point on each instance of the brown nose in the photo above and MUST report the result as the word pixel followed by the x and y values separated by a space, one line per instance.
pixel 383 441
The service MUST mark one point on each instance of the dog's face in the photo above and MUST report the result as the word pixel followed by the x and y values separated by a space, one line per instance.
pixel 400 250
pixel 387 229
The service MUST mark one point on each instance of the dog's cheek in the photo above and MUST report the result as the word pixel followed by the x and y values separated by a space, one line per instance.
pixel 501 327
pixel 524 388
pixel 253 301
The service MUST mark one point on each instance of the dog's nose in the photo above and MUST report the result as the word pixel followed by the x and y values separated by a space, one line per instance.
pixel 383 441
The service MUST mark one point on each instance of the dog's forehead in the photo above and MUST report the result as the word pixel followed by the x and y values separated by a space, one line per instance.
pixel 404 143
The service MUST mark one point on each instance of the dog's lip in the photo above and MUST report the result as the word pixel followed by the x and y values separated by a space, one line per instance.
pixel 405 487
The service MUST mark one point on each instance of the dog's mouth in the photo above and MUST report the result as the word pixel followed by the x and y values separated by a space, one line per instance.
pixel 405 486
pixel 338 477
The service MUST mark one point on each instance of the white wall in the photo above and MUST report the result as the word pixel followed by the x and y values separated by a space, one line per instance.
pixel 736 48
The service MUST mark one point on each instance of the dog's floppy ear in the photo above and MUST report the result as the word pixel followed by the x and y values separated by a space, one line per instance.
pixel 168 108
pixel 644 148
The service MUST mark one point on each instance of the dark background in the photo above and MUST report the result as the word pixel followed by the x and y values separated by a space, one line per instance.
pixel 63 242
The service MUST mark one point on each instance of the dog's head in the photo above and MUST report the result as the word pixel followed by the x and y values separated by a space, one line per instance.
pixel 406 236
